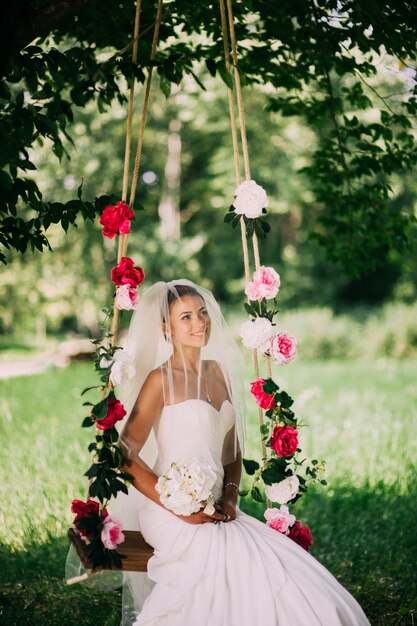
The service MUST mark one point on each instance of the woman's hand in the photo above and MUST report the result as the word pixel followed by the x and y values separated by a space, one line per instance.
pixel 227 504
pixel 227 507
pixel 202 518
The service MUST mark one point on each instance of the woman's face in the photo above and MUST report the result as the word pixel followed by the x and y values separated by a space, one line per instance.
pixel 190 322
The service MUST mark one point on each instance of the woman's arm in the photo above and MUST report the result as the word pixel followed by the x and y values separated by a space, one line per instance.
pixel 147 408
pixel 232 474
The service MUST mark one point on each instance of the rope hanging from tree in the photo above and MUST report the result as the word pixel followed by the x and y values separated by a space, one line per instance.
pixel 228 19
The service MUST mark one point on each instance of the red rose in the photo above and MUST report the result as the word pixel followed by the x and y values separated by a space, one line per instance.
pixel 116 219
pixel 84 509
pixel 127 274
pixel 284 440
pixel 115 412
pixel 301 535
pixel 263 400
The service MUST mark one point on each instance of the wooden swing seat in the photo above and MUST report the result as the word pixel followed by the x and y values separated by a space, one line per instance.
pixel 134 548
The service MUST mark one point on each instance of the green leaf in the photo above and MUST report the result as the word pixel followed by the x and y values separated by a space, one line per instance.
pixel 211 66
pixel 285 399
pixel 269 386
pixel 87 421
pixel 100 410
pixel 256 494
pixel 93 470
pixel 165 86
pixel 272 475
pixel 225 75
pixel 229 216
pixel 250 466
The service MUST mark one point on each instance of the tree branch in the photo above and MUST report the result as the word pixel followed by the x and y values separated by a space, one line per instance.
pixel 21 24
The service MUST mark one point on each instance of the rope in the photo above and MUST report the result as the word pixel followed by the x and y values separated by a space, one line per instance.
pixel 245 151
pixel 123 239
pixel 232 112
pixel 238 91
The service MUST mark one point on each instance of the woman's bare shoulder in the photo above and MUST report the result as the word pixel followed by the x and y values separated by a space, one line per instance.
pixel 154 381
pixel 214 368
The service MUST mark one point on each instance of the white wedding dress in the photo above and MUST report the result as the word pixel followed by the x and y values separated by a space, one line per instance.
pixel 240 573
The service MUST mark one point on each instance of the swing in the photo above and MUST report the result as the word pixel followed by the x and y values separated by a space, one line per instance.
pixel 134 550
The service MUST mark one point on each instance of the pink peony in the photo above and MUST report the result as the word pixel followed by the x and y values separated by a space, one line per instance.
pixel 111 533
pixel 263 400
pixel 116 219
pixel 284 440
pixel 279 519
pixel 265 284
pixel 115 412
pixel 283 348
pixel 127 298
pixel 126 273
pixel 301 535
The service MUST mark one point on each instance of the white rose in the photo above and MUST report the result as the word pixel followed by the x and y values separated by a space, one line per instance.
pixel 122 368
pixel 284 491
pixel 256 333
pixel 250 199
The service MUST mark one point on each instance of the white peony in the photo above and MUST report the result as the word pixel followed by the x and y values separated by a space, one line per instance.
pixel 122 368
pixel 256 333
pixel 186 487
pixel 284 491
pixel 250 199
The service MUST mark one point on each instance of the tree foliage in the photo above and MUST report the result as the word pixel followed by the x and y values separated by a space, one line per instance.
pixel 318 58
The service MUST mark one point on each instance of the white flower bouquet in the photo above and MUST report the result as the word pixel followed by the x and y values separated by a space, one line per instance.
pixel 186 487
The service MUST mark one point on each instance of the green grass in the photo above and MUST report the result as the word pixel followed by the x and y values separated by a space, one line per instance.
pixel 361 420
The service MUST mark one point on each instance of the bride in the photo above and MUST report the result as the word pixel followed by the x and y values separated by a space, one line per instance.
pixel 224 568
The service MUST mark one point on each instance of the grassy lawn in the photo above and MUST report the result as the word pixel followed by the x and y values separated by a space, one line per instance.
pixel 361 420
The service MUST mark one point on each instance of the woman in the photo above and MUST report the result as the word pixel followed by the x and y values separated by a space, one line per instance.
pixel 225 568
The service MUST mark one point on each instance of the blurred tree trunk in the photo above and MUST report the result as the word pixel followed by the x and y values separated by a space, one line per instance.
pixel 168 208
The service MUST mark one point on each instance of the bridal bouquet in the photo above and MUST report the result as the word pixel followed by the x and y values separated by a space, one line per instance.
pixel 186 487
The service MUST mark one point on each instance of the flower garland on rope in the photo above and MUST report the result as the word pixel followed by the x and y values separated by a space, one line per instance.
pixel 284 476
pixel 101 532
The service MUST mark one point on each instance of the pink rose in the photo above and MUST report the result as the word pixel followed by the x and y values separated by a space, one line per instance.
pixel 116 219
pixel 283 348
pixel 279 519
pixel 263 400
pixel 111 533
pixel 301 535
pixel 265 284
pixel 126 273
pixel 115 412
pixel 284 440
pixel 127 298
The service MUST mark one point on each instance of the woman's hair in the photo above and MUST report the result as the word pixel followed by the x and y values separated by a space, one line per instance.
pixel 179 291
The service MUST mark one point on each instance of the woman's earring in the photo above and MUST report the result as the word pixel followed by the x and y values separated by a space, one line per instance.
pixel 168 339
